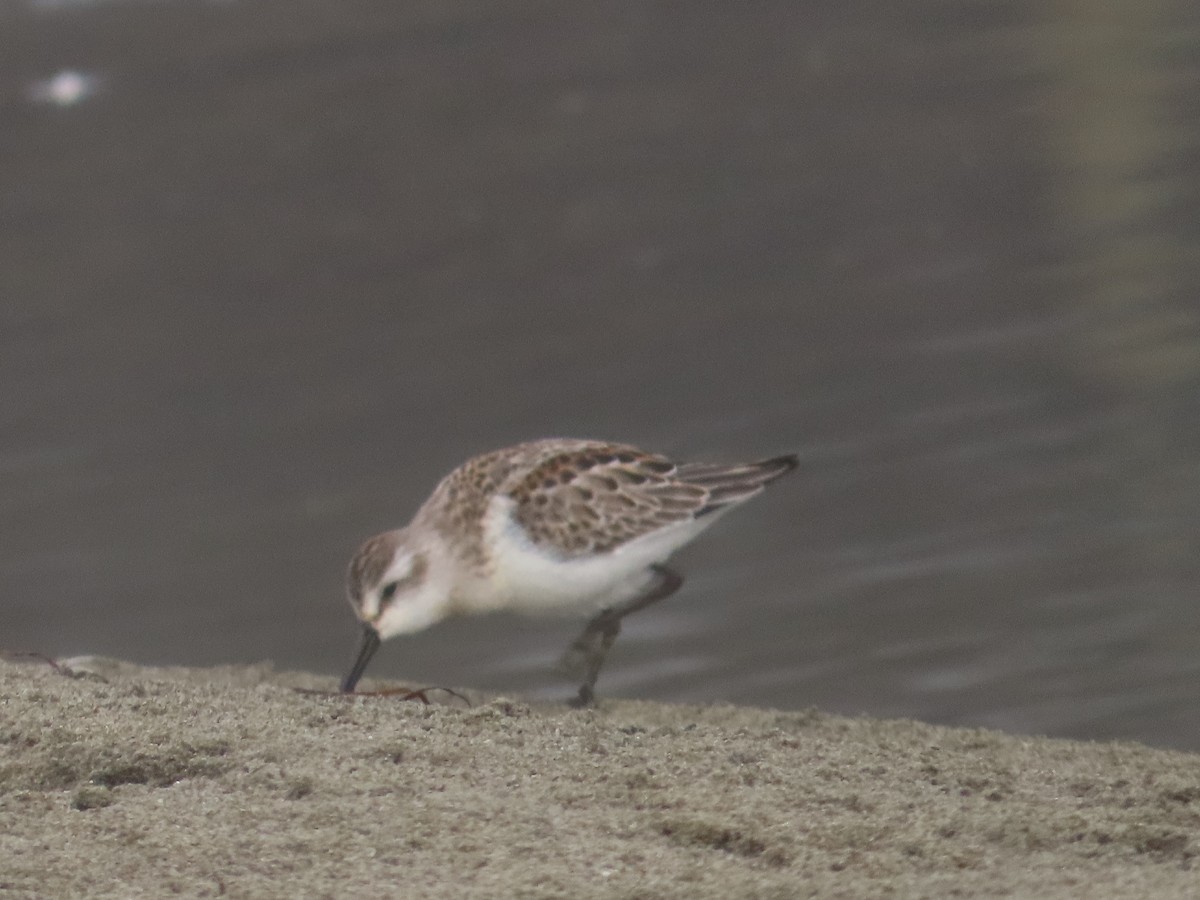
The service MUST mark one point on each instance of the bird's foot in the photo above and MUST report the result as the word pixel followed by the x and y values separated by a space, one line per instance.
pixel 585 699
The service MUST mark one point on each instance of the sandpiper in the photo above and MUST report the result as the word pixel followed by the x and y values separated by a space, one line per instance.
pixel 541 526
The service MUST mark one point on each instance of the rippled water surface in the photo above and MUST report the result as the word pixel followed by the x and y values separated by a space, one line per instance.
pixel 272 268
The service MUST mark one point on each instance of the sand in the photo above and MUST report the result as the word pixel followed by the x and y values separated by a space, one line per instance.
pixel 138 782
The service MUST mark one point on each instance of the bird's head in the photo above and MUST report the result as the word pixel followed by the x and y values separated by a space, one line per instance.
pixel 391 591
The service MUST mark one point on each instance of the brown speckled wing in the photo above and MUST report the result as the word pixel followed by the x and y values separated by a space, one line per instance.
pixel 594 497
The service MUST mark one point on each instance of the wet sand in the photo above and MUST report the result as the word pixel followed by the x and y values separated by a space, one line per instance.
pixel 138 782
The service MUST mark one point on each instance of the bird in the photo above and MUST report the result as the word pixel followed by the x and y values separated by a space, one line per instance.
pixel 540 527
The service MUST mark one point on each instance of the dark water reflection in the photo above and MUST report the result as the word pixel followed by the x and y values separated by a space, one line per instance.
pixel 290 262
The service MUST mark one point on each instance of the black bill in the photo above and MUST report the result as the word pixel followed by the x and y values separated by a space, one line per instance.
pixel 366 649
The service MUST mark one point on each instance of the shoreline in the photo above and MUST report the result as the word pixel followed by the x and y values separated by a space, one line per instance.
pixel 133 781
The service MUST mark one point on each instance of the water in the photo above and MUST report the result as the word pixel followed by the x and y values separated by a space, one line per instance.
pixel 282 265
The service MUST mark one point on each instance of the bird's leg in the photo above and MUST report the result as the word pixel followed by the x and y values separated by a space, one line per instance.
pixel 592 645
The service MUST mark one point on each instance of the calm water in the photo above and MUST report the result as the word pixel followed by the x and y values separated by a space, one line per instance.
pixel 272 268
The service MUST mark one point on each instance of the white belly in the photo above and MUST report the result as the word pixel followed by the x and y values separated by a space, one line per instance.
pixel 527 578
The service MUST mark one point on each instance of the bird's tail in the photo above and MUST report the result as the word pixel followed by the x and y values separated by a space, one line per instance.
pixel 729 484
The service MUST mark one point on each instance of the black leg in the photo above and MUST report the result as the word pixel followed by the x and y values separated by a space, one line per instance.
pixel 589 649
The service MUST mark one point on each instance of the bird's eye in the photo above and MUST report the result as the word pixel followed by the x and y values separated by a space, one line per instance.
pixel 388 592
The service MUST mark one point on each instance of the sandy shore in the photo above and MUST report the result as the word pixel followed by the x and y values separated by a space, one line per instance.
pixel 136 782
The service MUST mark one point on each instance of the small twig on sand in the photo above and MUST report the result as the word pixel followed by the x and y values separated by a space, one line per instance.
pixel 40 657
pixel 402 693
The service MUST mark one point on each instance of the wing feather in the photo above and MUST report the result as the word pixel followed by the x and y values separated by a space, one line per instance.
pixel 593 499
